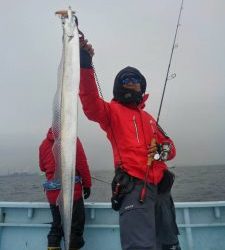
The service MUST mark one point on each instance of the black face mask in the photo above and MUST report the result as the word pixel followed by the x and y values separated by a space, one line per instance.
pixel 129 96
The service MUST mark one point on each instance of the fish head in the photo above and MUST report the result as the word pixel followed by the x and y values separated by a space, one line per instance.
pixel 69 21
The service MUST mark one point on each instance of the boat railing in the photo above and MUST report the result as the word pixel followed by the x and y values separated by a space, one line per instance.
pixel 25 225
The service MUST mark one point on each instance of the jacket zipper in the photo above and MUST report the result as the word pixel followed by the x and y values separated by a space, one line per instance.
pixel 136 129
pixel 152 127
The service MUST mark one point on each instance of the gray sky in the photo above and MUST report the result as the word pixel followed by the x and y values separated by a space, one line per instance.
pixel 128 32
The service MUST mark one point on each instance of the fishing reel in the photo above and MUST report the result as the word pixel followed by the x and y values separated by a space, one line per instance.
pixel 162 152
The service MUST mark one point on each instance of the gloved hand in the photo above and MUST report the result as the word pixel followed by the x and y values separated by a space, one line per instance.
pixel 87 192
pixel 86 53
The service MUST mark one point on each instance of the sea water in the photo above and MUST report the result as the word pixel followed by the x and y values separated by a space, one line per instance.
pixel 195 183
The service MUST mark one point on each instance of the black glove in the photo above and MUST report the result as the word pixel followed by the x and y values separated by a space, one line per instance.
pixel 86 53
pixel 85 59
pixel 87 192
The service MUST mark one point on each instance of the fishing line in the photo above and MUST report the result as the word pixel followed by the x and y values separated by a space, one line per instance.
pixel 107 114
pixel 100 180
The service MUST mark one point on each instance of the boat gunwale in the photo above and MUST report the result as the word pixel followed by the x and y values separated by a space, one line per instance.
pixel 18 204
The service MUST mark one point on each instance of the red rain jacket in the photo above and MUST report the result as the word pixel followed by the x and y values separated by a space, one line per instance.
pixel 129 129
pixel 47 165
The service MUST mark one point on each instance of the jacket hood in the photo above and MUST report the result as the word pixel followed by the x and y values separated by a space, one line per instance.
pixel 128 71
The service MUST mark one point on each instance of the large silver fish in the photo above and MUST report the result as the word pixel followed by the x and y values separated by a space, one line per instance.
pixel 64 122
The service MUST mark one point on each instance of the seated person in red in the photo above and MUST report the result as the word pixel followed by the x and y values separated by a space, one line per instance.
pixel 82 183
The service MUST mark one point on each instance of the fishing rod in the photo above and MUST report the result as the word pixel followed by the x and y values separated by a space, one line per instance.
pixel 152 157
pixel 170 60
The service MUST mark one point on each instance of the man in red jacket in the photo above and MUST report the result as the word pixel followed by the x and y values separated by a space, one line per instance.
pixel 140 150
pixel 82 184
